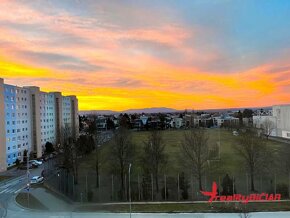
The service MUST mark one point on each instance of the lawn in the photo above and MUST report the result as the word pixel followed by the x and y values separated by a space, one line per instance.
pixel 230 162
pixel 29 201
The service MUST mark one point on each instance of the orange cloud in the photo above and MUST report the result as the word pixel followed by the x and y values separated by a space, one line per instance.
pixel 98 63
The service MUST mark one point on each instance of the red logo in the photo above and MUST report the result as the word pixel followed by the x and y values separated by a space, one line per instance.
pixel 239 197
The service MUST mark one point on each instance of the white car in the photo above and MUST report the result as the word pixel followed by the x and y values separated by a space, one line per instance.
pixel 36 179
pixel 37 162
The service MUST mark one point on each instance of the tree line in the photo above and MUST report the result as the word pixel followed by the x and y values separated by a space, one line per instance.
pixel 251 146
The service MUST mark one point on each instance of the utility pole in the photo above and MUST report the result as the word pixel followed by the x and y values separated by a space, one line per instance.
pixel 130 188
pixel 219 142
pixel 28 175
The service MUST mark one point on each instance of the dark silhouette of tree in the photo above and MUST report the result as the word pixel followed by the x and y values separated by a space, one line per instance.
pixel 95 140
pixel 122 154
pixel 49 147
pixel 154 156
pixel 183 186
pixel 125 121
pixel 25 152
pixel 255 153
pixel 92 126
pixel 194 147
pixel 240 116
pixel 247 113
pixel 228 186
pixel 110 124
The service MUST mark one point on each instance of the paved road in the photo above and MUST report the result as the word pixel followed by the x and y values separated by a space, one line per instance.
pixel 10 188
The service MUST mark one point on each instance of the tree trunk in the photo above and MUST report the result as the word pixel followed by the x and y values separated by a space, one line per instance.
pixel 156 179
pixel 122 184
pixel 252 181
pixel 97 174
pixel 199 180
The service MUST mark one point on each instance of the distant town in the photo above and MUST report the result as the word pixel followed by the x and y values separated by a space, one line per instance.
pixel 272 121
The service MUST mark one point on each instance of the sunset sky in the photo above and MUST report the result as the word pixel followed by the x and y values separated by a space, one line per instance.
pixel 122 54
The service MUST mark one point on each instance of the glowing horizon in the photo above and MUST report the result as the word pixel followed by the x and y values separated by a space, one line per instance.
pixel 132 55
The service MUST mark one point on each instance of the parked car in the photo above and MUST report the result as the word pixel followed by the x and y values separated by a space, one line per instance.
pixel 36 180
pixel 36 162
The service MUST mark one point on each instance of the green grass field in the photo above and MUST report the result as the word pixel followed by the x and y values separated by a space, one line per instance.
pixel 32 203
pixel 230 162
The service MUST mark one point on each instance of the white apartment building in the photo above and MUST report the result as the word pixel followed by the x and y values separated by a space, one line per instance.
pixel 279 121
pixel 282 114
pixel 267 123
pixel 29 118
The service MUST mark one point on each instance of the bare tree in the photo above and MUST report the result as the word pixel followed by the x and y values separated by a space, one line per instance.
pixel 98 141
pixel 70 148
pixel 254 152
pixel 194 147
pixel 122 153
pixel 268 127
pixel 154 156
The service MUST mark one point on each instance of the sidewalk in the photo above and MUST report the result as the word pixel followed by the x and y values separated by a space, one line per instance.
pixel 50 200
pixel 14 172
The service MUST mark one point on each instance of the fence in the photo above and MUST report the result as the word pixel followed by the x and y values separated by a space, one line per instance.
pixel 181 187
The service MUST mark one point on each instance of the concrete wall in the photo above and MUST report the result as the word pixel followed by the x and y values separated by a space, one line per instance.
pixel 2 129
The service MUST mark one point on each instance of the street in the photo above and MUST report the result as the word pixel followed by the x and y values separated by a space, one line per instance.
pixel 9 189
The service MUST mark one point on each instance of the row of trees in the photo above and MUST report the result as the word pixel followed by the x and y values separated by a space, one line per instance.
pixel 194 150
pixel 194 147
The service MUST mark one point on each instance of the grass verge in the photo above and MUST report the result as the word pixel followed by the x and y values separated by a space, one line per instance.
pixel 188 207
pixel 33 203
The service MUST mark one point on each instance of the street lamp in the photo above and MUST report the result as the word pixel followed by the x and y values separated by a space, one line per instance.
pixel 130 188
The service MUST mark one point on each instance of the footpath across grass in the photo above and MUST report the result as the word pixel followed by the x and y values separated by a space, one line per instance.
pixel 29 201
pixel 187 207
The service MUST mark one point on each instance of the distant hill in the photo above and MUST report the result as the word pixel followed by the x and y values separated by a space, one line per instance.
pixel 150 110
pixel 162 110
pixel 234 109
pixel 100 112
pixel 131 111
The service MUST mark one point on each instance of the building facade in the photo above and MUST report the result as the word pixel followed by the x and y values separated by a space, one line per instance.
pixel 282 114
pixel 29 118
pixel 266 123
